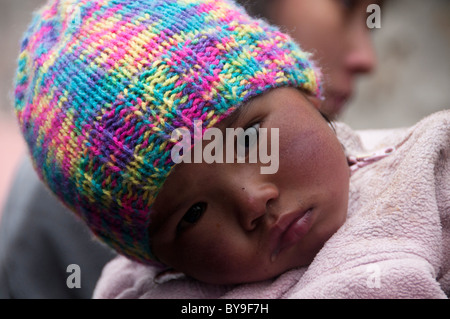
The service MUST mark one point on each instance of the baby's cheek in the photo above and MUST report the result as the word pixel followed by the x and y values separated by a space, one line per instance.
pixel 223 259
pixel 300 158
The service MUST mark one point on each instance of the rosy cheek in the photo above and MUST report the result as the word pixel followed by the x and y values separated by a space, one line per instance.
pixel 299 155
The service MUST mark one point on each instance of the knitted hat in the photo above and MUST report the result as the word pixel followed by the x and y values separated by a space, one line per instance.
pixel 102 84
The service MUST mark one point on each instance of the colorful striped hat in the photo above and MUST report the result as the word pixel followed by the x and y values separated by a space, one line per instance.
pixel 102 84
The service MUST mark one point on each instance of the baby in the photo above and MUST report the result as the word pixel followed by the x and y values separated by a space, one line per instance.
pixel 228 223
pixel 104 89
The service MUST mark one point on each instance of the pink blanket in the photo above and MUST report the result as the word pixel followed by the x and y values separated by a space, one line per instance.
pixel 394 244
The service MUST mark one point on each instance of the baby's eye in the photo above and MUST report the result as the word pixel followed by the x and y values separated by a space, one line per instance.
pixel 192 216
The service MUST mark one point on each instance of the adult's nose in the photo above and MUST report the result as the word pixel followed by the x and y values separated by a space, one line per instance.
pixel 361 56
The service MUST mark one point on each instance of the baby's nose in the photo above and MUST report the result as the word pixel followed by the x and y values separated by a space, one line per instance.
pixel 256 203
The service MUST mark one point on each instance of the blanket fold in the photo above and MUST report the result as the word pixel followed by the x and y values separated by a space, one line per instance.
pixel 395 242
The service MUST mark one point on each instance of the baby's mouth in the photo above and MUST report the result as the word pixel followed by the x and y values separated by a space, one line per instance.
pixel 291 233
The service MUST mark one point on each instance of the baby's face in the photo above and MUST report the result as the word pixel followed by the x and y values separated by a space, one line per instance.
pixel 228 223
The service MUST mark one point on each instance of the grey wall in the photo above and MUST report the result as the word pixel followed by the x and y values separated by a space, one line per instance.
pixel 412 79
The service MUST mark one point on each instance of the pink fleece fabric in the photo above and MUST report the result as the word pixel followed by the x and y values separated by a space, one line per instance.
pixel 394 244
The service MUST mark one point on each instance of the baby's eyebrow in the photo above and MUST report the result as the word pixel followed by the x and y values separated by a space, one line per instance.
pixel 236 116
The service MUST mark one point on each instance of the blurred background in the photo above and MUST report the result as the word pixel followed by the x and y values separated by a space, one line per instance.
pixel 412 78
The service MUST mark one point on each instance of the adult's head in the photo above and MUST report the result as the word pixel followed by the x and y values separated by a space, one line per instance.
pixel 335 30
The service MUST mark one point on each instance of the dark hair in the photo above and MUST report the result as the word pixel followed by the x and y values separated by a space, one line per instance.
pixel 255 8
